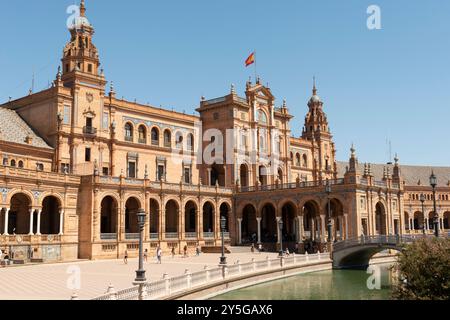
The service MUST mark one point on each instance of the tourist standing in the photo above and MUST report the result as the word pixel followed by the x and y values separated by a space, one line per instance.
pixel 197 250
pixel 146 255
pixel 173 252
pixel 260 248
pixel 159 255
pixel 185 249
pixel 125 257
pixel 252 249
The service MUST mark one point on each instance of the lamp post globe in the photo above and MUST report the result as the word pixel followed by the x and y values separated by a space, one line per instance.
pixel 223 224
pixel 433 183
pixel 280 225
pixel 140 273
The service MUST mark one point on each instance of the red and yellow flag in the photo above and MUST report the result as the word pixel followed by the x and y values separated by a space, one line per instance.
pixel 250 60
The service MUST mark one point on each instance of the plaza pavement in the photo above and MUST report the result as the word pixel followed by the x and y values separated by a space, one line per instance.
pixel 50 281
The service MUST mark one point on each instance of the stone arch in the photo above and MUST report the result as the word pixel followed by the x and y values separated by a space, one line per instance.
pixel 288 216
pixel 172 209
pixel 50 219
pixel 142 133
pixel 311 212
pixel 19 214
pixel 190 142
pixel 109 214
pixel 269 227
pixel 418 220
pixel 208 213
pixel 128 130
pixel 190 216
pixel 337 217
pixel 167 136
pixel 249 227
pixel 26 193
pixel 154 206
pixel 225 211
pixel 407 220
pixel 52 194
pixel 380 218
pixel 154 135
pixel 132 206
pixel 244 175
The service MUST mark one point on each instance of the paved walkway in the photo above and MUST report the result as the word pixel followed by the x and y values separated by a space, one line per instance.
pixel 55 281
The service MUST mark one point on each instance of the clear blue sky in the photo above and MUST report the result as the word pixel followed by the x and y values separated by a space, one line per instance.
pixel 384 84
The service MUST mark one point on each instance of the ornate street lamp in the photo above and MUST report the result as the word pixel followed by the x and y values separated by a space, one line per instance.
pixel 433 183
pixel 280 225
pixel 422 199
pixel 328 192
pixel 140 273
pixel 223 224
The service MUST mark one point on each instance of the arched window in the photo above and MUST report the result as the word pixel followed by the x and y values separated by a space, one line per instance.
pixel 13 163
pixel 142 134
pixel 262 118
pixel 292 156
pixel 179 140
pixel 20 164
pixel 190 142
pixel 155 137
pixel 297 158
pixel 128 132
pixel 167 139
pixel 305 160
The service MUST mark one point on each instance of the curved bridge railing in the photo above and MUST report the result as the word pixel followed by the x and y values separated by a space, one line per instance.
pixel 382 240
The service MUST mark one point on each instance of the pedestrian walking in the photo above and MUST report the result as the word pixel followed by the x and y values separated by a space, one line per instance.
pixel 146 255
pixel 252 249
pixel 197 251
pixel 159 255
pixel 185 251
pixel 125 257
pixel 173 252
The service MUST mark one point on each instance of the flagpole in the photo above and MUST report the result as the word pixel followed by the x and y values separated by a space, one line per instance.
pixel 256 74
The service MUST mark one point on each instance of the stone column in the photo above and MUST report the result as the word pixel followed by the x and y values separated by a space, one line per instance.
pixel 278 230
pixel 346 225
pixel 199 224
pixel 6 221
pixel 322 224
pixel 38 224
pixel 239 230
pixel 31 221
pixel 341 227
pixel 162 223
pixel 61 222
pixel 313 230
pixel 209 176
pixel 301 228
pixel 258 222
pixel 182 224
pixel 297 229
pixel 319 235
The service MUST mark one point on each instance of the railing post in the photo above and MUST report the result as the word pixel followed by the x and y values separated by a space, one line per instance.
pixel 239 267
pixel 224 272
pixel 166 278
pixel 74 296
pixel 188 278
pixel 207 273
pixel 112 292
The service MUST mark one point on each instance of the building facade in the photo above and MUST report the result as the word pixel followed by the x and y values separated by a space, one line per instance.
pixel 77 164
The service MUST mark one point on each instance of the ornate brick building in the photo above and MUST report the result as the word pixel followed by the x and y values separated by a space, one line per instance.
pixel 77 163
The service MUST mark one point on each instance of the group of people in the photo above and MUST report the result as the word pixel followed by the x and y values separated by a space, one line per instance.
pixel 159 254
pixel 4 258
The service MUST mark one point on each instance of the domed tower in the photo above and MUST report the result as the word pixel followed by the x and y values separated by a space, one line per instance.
pixel 80 56
pixel 317 131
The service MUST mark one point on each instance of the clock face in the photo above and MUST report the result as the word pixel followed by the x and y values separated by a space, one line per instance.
pixel 89 97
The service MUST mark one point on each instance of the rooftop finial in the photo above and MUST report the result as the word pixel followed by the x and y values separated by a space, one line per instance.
pixel 396 158
pixel 314 86
pixel 82 9
pixel 233 91
pixel 352 149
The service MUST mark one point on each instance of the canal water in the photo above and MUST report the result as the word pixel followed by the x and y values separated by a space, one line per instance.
pixel 322 285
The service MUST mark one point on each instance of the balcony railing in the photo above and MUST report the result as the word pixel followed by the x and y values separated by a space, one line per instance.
pixel 208 235
pixel 191 235
pixel 129 138
pixel 90 130
pixel 171 235
pixel 108 236
pixel 154 236
pixel 132 236
pixel 155 143
pixel 226 235
pixel 142 141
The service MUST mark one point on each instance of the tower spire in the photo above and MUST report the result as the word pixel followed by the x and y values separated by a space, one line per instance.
pixel 314 86
pixel 82 9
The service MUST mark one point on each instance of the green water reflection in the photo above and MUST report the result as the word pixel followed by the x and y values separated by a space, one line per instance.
pixel 323 285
